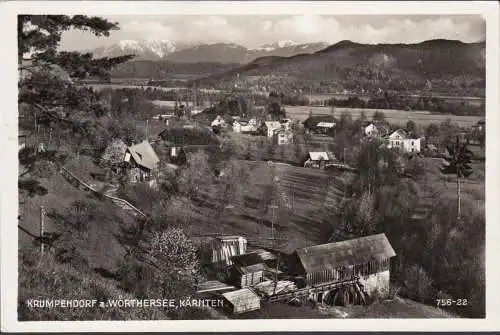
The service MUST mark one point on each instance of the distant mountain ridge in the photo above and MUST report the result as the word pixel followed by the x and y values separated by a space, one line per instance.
pixel 355 66
pixel 209 53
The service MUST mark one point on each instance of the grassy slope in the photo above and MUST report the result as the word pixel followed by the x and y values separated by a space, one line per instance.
pixel 102 246
pixel 310 192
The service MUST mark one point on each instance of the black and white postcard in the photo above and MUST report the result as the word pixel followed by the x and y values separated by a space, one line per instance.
pixel 249 166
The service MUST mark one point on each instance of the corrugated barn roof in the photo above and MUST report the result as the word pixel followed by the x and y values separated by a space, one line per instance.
pixel 357 251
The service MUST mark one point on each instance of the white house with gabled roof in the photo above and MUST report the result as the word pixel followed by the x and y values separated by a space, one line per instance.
pixel 401 140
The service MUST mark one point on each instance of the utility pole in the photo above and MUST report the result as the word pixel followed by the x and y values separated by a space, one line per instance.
pixel 194 86
pixel 42 227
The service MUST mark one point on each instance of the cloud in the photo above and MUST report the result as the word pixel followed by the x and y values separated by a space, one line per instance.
pixel 253 31
pixel 146 30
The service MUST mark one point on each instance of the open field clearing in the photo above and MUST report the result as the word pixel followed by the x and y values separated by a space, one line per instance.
pixel 309 194
pixel 99 87
pixel 394 116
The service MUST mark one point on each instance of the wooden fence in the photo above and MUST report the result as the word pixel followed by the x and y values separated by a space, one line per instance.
pixel 77 182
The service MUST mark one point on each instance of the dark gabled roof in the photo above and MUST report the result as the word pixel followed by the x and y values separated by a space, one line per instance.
pixel 357 251
pixel 252 258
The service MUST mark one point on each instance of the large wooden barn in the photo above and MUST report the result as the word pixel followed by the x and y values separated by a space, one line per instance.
pixel 366 258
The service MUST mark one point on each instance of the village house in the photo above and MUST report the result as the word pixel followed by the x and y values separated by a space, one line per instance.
pixel 377 129
pixel 319 160
pixel 218 124
pixel 324 127
pixel 176 154
pixel 269 127
pixel 479 126
pixel 282 136
pixel 245 126
pixel 400 139
pixel 142 162
pixel 365 261
pixel 320 124
pixel 22 138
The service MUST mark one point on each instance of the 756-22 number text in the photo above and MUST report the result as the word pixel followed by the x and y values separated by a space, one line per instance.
pixel 452 302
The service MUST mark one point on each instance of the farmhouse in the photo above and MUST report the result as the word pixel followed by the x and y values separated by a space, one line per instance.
pixel 142 160
pixel 402 141
pixel 319 160
pixel 366 258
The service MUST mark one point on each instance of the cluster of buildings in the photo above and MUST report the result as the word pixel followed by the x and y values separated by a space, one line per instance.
pixel 279 131
pixel 344 272
pixel 398 139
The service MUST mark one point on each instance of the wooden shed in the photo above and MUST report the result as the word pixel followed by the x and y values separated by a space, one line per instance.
pixel 245 276
pixel 252 268
pixel 242 301
pixel 366 258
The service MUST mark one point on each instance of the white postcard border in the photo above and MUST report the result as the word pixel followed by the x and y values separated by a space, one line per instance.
pixel 9 197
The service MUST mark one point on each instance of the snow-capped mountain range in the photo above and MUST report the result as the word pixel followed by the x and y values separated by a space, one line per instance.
pixel 192 52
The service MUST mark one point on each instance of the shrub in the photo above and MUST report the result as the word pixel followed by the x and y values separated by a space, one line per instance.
pixel 418 284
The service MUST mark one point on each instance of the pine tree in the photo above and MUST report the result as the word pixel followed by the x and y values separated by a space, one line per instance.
pixel 46 80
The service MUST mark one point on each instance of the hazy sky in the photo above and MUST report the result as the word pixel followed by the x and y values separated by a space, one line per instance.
pixel 253 31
